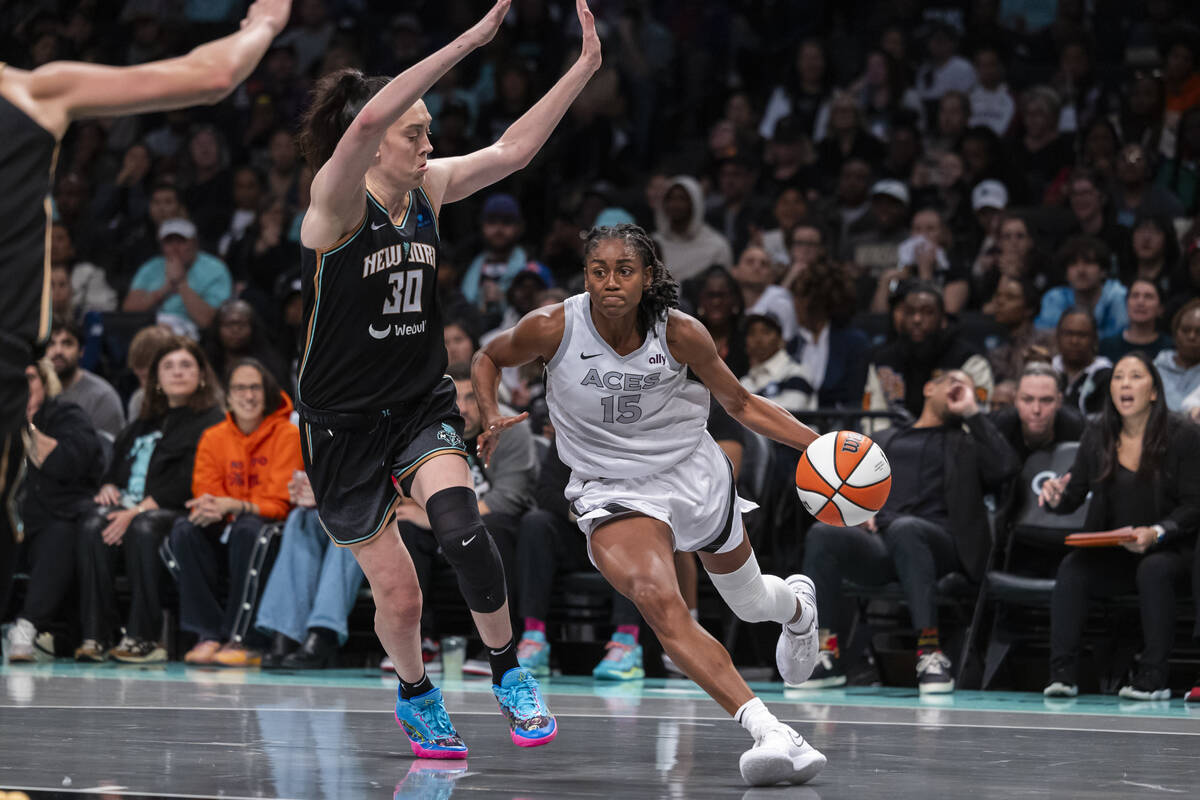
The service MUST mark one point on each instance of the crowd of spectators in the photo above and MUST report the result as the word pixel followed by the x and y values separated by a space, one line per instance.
pixel 869 206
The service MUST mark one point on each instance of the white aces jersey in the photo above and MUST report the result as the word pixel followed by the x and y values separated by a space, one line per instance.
pixel 620 416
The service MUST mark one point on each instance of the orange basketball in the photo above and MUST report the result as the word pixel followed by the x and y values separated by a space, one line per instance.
pixel 843 478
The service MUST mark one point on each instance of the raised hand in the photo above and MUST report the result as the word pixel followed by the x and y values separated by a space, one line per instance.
pixel 491 435
pixel 269 12
pixel 591 41
pixel 482 32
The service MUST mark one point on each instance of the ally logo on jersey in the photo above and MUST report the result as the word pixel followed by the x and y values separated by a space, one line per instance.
pixel 404 286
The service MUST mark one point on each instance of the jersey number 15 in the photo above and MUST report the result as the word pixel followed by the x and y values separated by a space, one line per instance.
pixel 626 408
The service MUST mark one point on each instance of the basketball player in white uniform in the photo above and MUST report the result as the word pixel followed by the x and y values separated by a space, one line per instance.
pixel 629 417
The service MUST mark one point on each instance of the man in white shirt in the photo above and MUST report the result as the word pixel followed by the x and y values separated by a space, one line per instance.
pixel 773 373
pixel 944 70
pixel 991 102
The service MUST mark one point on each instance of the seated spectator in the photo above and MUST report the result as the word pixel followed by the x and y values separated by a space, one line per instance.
pixel 63 463
pixel 549 545
pixel 686 243
pixel 1180 175
pixel 1139 463
pixel 1042 156
pixel 923 255
pixel 311 589
pixel 773 373
pixel 1153 255
pixel 832 351
pixel 96 396
pixel 923 349
pixel 1016 254
pixel 1180 368
pixel 243 465
pixel 1004 394
pixel 873 247
pixel 934 523
pixel 461 341
pixel 238 333
pixel 1087 195
pixel 1038 420
pixel 719 308
pixel 845 139
pixel 755 275
pixel 245 198
pixel 1086 372
pixel 791 208
pixel 1012 307
pixel 810 243
pixel 143 492
pixel 1135 196
pixel 208 185
pixel 851 205
pixel 1086 261
pixel 89 284
pixel 1143 306
pixel 503 258
pixel 137 239
pixel 142 349
pixel 184 285
pixel 61 302
pixel 737 210
pixel 262 254
pixel 944 69
pixel 992 103
pixel 504 488
pixel 791 163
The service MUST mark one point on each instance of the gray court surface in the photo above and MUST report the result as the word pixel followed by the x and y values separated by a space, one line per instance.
pixel 68 730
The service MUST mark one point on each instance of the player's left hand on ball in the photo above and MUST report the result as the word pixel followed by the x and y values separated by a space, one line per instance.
pixel 491 434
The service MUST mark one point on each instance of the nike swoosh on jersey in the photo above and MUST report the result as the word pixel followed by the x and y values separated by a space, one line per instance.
pixel 594 355
pixel 466 542
pixel 375 227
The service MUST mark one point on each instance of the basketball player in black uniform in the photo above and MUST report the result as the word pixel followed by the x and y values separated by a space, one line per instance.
pixel 379 416
pixel 35 110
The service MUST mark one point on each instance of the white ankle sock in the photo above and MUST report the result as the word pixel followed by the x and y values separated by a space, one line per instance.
pixel 754 716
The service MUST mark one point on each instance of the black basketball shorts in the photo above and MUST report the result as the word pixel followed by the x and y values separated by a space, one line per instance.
pixel 359 464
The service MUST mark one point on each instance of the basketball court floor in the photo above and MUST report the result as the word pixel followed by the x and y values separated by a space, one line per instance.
pixel 181 732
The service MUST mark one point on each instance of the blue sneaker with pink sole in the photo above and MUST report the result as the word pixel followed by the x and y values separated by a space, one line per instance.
pixel 424 720
pixel 520 699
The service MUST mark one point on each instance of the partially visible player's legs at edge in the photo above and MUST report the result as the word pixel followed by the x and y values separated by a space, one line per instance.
pixel 635 554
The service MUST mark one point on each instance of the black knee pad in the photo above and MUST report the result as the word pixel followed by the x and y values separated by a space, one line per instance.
pixel 454 518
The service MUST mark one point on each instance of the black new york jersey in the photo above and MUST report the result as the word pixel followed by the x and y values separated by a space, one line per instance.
pixel 374 330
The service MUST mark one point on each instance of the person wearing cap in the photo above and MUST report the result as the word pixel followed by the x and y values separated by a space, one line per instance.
pixel 873 248
pixel 992 104
pixel 183 284
pixel 490 273
pixel 944 70
pixel 773 372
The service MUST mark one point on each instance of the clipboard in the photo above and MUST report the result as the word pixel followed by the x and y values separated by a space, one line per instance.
pixel 1113 538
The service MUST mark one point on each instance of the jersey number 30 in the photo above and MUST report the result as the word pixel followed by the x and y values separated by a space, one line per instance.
pixel 626 407
pixel 406 292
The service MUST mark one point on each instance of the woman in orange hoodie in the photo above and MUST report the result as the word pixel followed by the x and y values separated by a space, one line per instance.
pixel 240 480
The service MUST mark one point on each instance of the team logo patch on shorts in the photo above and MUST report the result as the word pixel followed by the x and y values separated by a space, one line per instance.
pixel 450 436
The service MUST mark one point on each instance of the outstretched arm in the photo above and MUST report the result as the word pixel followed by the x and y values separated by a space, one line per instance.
pixel 451 179
pixel 691 344
pixel 62 91
pixel 537 335
pixel 339 185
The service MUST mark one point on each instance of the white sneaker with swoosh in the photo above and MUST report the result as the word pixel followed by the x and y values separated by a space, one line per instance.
pixel 780 755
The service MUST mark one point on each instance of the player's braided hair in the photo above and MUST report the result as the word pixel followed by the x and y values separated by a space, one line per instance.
pixel 663 292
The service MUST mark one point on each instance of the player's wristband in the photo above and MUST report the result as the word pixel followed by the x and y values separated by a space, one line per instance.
pixel 1160 533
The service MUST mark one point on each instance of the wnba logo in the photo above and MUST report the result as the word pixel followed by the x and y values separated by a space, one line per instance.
pixel 658 358
pixel 851 443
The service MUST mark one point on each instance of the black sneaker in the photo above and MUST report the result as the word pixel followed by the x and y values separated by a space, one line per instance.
pixel 826 674
pixel 1149 683
pixel 933 673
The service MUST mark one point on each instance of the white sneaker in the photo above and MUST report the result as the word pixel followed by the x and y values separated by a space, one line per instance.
pixel 1138 693
pixel 796 653
pixel 933 673
pixel 1060 689
pixel 780 754
pixel 19 645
